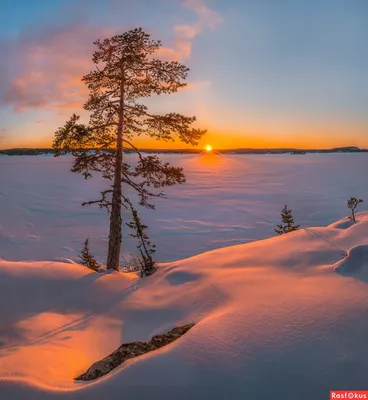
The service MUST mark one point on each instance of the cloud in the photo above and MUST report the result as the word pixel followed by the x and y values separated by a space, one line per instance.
pixel 44 66
pixel 184 35
pixel 3 130
pixel 50 65
pixel 207 18
pixel 39 121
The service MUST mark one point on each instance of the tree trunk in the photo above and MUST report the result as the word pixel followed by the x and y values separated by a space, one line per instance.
pixel 115 234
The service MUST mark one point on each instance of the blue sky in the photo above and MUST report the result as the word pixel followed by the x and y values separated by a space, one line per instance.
pixel 269 73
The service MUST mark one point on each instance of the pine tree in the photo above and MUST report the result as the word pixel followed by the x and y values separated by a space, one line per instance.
pixel 353 203
pixel 126 72
pixel 87 258
pixel 287 222
pixel 145 247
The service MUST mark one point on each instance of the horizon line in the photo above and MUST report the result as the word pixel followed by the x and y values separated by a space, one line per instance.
pixel 203 149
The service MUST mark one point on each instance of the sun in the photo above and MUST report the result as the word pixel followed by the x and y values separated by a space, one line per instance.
pixel 208 148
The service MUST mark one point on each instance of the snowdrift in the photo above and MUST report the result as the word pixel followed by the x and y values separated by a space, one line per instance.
pixel 283 318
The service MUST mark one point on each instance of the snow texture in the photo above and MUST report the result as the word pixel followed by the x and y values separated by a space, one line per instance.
pixel 276 318
pixel 283 318
pixel 227 200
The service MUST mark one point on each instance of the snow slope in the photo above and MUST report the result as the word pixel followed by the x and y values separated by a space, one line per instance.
pixel 227 200
pixel 282 318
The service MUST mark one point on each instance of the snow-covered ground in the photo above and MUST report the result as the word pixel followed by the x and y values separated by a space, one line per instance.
pixel 227 200
pixel 283 318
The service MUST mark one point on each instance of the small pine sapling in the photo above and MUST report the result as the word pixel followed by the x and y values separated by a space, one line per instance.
pixel 87 258
pixel 353 203
pixel 145 247
pixel 287 222
pixel 132 264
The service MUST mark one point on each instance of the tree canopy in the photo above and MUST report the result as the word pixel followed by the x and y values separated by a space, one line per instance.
pixel 126 72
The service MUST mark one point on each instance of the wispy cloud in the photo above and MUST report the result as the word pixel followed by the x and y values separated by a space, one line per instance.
pixel 207 18
pixel 184 35
pixel 51 64
pixel 43 69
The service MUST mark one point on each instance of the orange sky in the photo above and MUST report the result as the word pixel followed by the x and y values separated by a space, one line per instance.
pixel 259 75
pixel 292 135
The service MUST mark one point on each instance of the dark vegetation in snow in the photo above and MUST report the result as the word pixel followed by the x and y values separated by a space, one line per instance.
pixel 131 350
pixel 287 222
pixel 353 203
pixel 87 258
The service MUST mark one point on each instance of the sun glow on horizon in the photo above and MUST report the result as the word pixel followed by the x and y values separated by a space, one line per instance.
pixel 208 148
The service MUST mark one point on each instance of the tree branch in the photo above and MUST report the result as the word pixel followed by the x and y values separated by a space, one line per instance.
pixel 103 202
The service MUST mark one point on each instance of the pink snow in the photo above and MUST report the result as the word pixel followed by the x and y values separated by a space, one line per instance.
pixel 285 317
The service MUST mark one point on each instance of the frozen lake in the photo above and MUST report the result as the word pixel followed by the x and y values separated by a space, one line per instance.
pixel 227 200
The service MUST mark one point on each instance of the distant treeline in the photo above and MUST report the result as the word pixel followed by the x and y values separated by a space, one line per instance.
pixel 26 152
pixel 41 151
